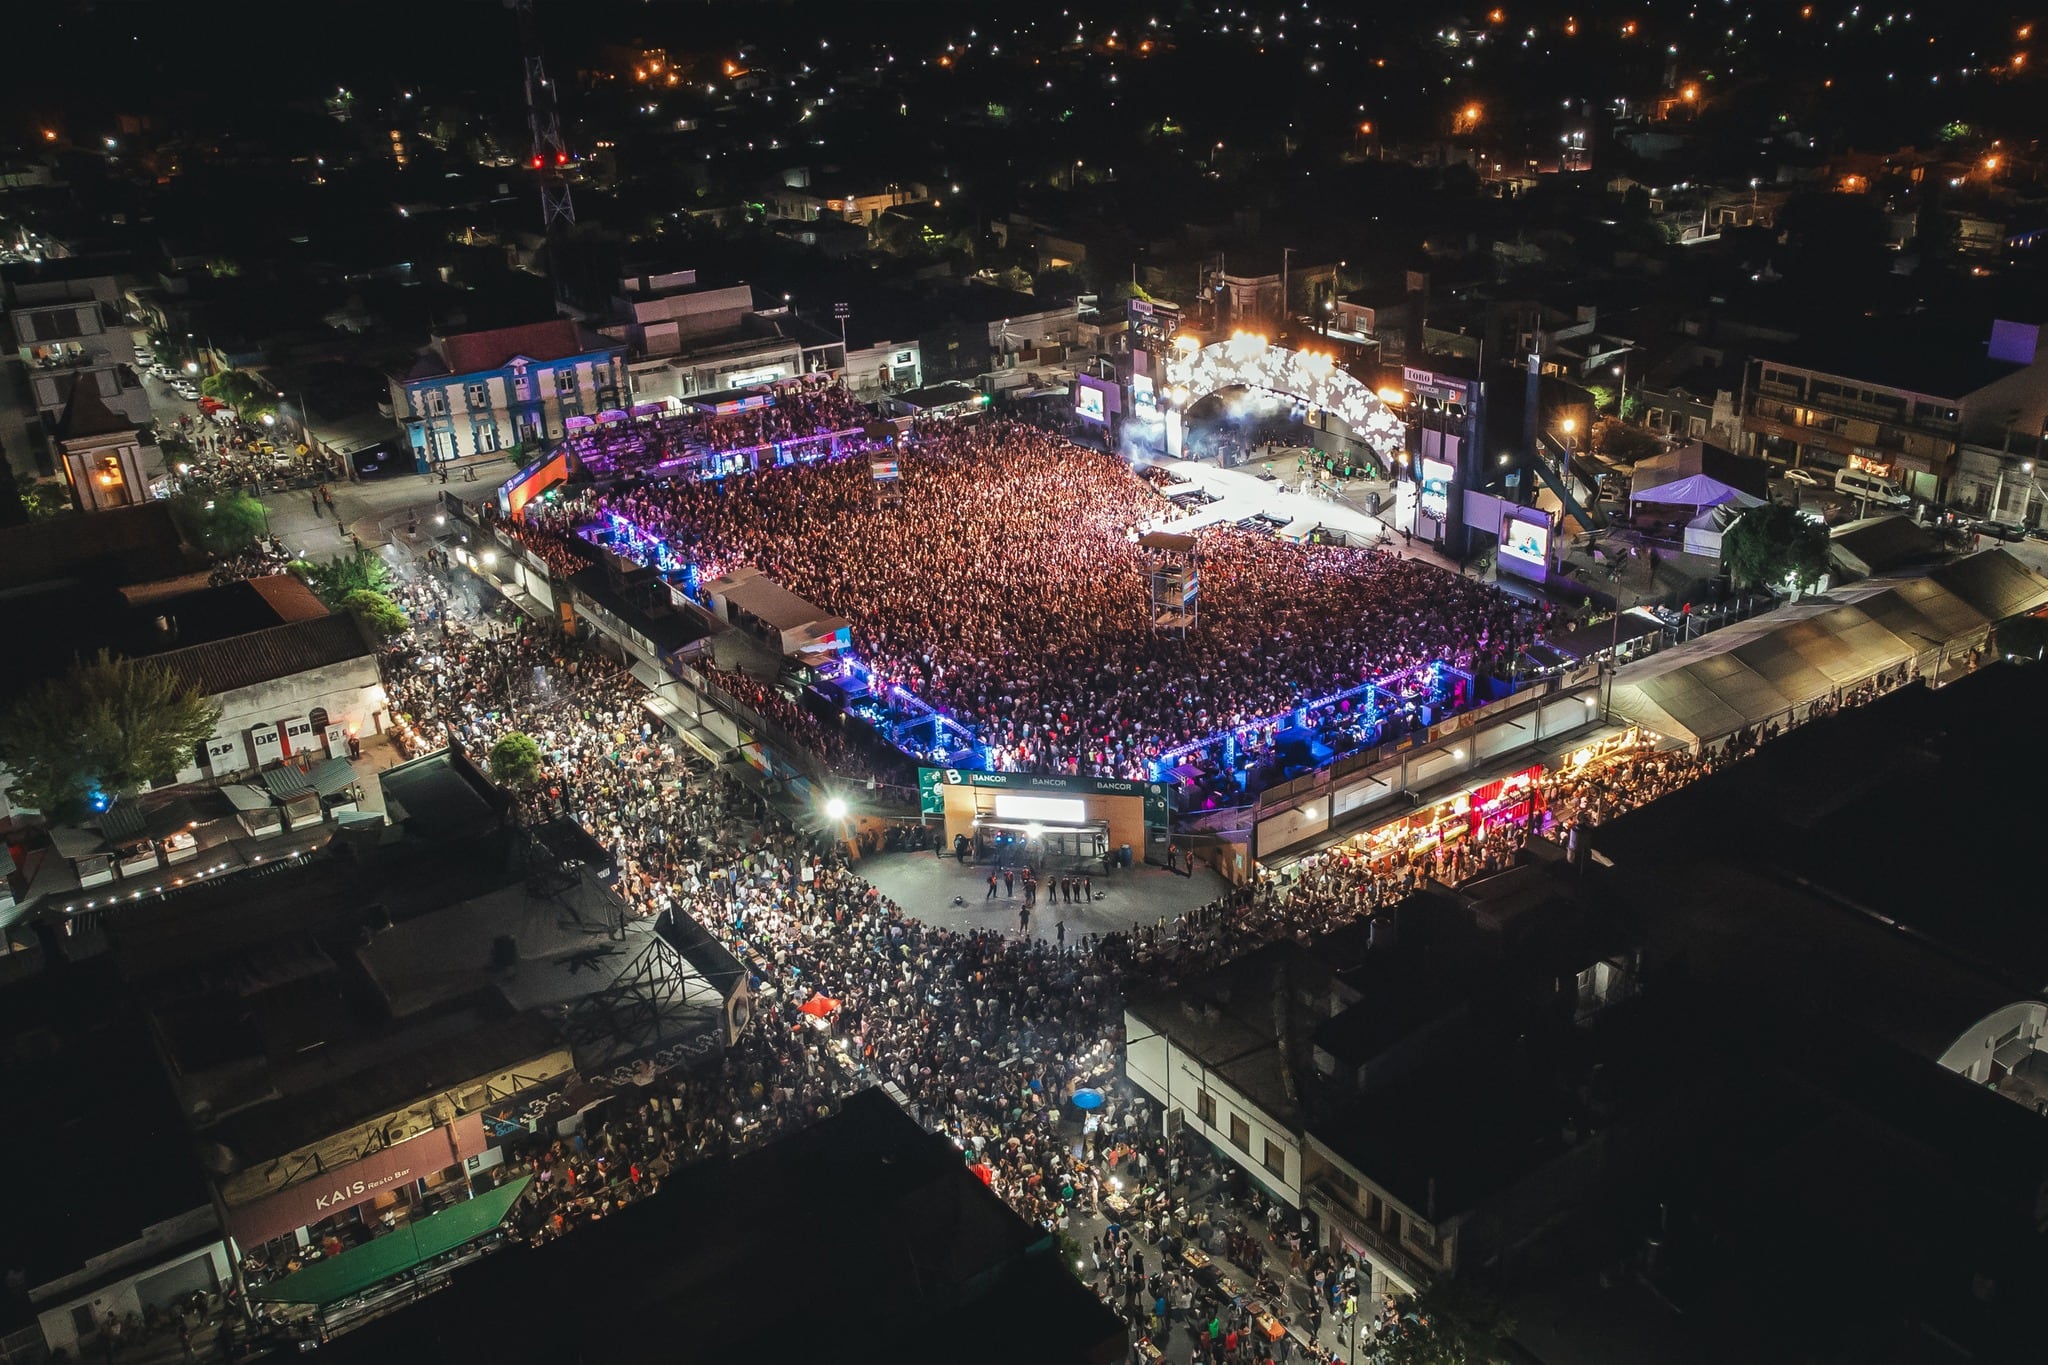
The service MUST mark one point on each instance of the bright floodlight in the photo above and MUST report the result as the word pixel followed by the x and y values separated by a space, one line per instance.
pixel 836 808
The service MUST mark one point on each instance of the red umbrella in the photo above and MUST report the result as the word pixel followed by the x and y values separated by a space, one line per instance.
pixel 818 1006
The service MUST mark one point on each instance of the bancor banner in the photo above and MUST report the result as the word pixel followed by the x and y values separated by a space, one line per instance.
pixel 323 1194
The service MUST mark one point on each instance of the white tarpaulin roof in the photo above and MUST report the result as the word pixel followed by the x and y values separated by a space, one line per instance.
pixel 1763 668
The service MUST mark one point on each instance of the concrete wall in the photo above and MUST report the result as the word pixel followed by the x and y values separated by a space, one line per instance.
pixel 150 1284
pixel 1176 1080
pixel 350 691
pixel 1971 1054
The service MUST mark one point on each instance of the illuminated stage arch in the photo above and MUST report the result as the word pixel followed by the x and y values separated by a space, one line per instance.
pixel 1250 361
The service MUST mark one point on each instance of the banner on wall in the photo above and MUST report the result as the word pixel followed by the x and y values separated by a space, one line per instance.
pixel 326 1193
pixel 932 782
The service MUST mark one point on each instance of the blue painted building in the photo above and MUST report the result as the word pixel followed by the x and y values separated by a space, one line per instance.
pixel 470 397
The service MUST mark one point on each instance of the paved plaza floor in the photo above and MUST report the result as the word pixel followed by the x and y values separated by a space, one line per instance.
pixel 925 887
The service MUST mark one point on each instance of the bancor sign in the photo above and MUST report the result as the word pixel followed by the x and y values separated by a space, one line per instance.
pixel 323 1194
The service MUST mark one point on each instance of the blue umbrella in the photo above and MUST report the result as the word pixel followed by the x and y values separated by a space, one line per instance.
pixel 1087 1099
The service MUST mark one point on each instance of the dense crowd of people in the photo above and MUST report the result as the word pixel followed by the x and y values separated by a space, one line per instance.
pixel 1004 585
pixel 807 409
pixel 984 1035
pixel 842 753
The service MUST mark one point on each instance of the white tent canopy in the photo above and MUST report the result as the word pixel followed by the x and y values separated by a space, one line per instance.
pixel 1776 666
pixel 1703 533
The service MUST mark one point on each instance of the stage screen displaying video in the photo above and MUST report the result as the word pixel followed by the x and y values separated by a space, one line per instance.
pixel 1527 541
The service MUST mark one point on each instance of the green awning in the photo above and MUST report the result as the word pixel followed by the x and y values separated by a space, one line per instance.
pixel 349 1274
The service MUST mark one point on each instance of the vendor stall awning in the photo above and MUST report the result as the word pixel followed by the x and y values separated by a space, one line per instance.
pixel 333 775
pixel 244 797
pixel 340 1277
pixel 284 782
pixel 1761 669
pixel 122 822
pixel 72 842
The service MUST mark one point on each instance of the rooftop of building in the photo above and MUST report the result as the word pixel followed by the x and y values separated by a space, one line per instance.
pixel 483 352
pixel 1451 1135
pixel 1873 1170
pixel 106 1153
pixel 1857 861
pixel 218 638
pixel 910 1259
pixel 1232 1019
pixel 1918 355
pixel 121 546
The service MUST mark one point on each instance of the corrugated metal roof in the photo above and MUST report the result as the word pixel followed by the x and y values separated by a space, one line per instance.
pixel 284 782
pixel 122 821
pixel 266 655
pixel 244 797
pixel 334 775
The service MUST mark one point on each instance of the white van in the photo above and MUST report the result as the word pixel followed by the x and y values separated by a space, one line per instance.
pixel 1858 485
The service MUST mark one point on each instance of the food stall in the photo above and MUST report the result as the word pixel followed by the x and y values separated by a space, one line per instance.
pixel 334 780
pixel 1511 800
pixel 301 804
pixel 1623 744
pixel 125 831
pixel 254 809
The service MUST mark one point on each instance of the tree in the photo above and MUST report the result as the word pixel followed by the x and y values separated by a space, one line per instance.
pixel 1773 545
pixel 240 391
pixel 47 498
pixel 381 616
pixel 515 760
pixel 102 729
pixel 226 524
pixel 1618 441
pixel 333 581
pixel 1061 283
pixel 1446 1325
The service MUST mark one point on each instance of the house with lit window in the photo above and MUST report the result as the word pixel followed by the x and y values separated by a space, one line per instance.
pixel 1900 401
pixel 471 397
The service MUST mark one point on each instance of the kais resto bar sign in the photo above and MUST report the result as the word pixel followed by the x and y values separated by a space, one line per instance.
pixel 324 1194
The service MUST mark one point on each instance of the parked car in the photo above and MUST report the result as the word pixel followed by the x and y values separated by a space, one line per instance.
pixel 186 390
pixel 2000 530
pixel 1805 478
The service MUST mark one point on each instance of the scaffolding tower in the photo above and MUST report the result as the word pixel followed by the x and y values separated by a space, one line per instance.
pixel 1176 580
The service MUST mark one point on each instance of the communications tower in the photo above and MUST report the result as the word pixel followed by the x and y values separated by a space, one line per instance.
pixel 550 158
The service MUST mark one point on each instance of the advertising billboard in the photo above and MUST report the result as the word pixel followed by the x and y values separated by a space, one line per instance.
pixel 1436 488
pixel 1065 810
pixel 1524 540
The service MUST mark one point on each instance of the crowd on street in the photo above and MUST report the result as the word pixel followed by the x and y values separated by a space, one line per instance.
pixel 986 1035
pixel 983 1034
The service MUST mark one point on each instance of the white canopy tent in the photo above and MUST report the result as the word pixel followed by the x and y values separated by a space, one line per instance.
pixel 1774 667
